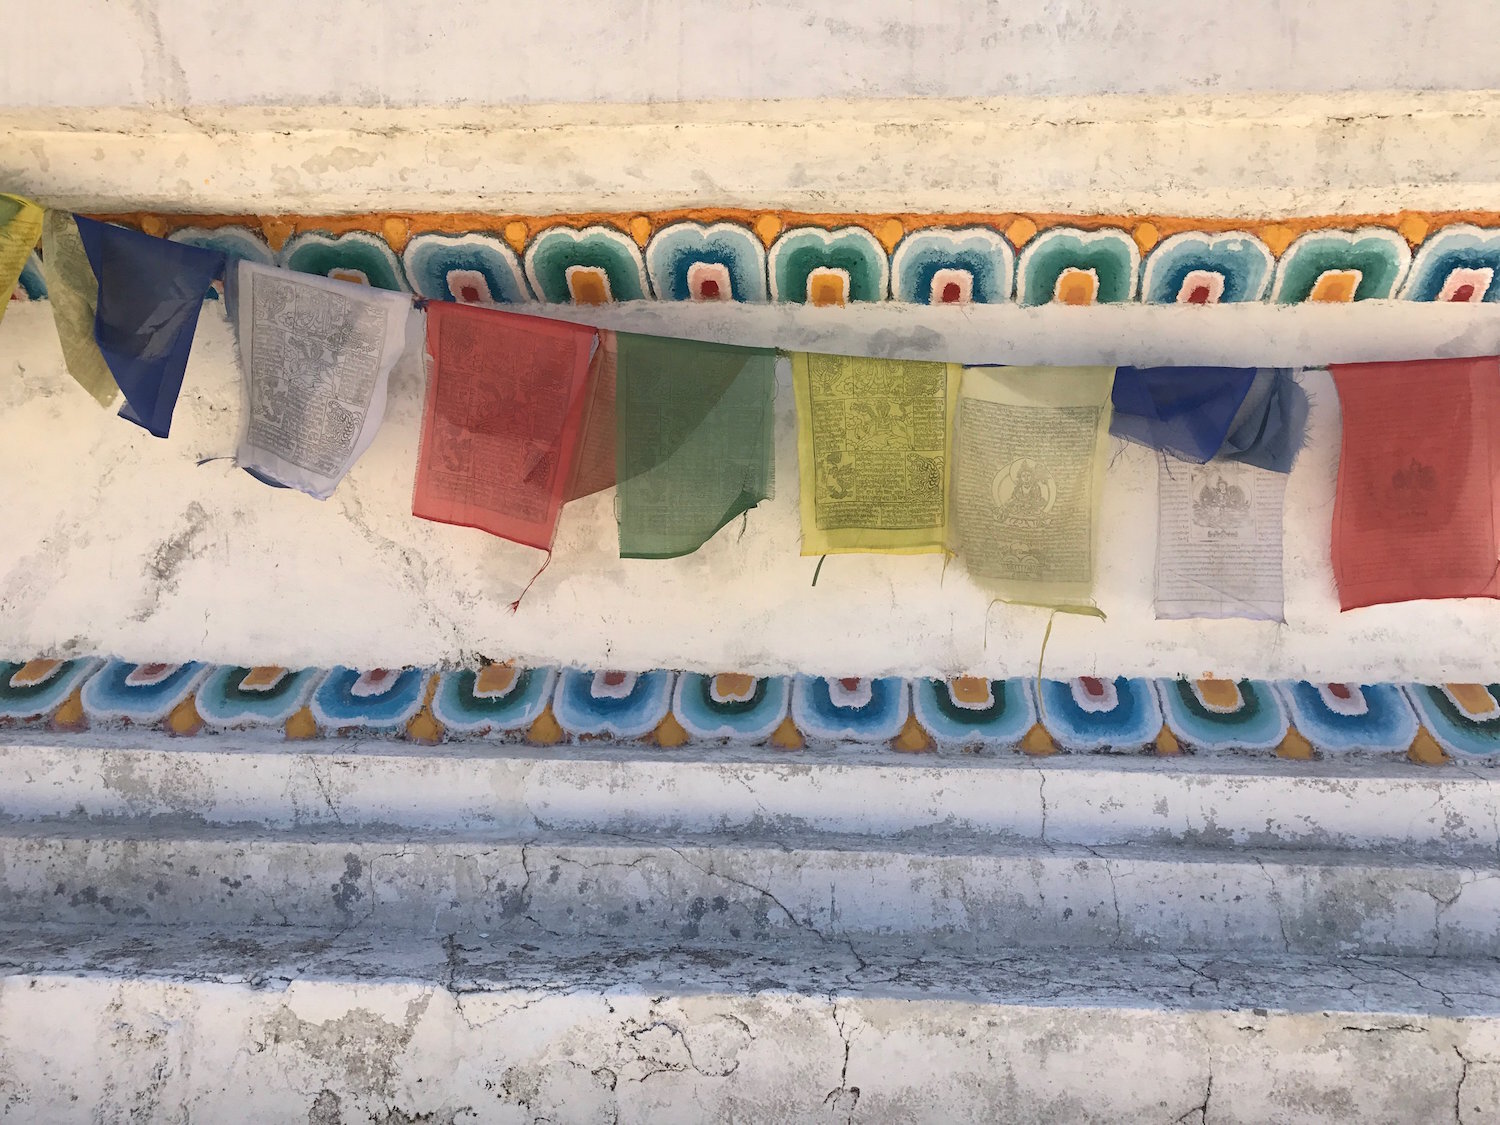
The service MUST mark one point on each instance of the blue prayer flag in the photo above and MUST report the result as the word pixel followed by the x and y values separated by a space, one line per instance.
pixel 150 291
pixel 1183 411
pixel 1271 424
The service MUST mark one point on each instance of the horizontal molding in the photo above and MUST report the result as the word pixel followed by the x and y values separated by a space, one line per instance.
pixel 754 256
pixel 550 706
pixel 1227 157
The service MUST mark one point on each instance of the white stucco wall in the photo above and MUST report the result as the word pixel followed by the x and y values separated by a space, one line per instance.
pixel 116 542
pixel 1256 156
pixel 186 53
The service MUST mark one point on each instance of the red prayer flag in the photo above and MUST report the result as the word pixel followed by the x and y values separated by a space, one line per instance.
pixel 505 401
pixel 1418 473
pixel 595 470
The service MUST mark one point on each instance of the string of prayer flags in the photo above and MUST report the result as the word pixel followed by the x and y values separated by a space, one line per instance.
pixel 693 443
pixel 316 356
pixel 1185 412
pixel 1271 425
pixel 73 293
pixel 1415 514
pixel 1218 545
pixel 595 467
pixel 506 395
pixel 1029 454
pixel 20 228
pixel 872 443
pixel 150 292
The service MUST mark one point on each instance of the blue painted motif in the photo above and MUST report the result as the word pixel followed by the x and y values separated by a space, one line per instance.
pixel 942 265
pixel 140 693
pixel 337 703
pixel 722 261
pixel 1207 269
pixel 1125 716
pixel 866 711
pixel 31 283
pixel 589 706
pixel 469 268
pixel 1372 717
pixel 1458 264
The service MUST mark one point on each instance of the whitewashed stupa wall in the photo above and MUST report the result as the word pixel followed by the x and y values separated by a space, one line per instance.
pixel 113 542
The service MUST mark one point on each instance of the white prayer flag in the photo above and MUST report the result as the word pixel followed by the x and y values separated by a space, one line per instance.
pixel 317 355
pixel 1028 474
pixel 1218 546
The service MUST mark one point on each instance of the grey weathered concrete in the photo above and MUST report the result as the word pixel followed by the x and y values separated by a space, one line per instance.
pixel 494 788
pixel 230 929
pixel 948 892
pixel 284 1025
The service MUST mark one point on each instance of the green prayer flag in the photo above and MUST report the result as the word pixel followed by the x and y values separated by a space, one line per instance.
pixel 693 440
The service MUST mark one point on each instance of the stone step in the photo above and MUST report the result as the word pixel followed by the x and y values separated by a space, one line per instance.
pixel 332 1028
pixel 952 891
pixel 1221 800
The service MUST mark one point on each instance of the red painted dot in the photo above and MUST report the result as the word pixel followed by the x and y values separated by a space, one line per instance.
pixel 1463 294
pixel 469 293
pixel 1199 295
pixel 1093 686
pixel 376 675
pixel 1340 691
pixel 614 679
pixel 951 293
pixel 849 683
pixel 708 289
pixel 152 669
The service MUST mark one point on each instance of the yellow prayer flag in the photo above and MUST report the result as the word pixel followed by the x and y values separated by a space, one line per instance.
pixel 1030 448
pixel 20 227
pixel 872 443
pixel 73 291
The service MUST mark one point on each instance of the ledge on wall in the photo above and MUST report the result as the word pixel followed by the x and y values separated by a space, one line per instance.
pixel 1229 157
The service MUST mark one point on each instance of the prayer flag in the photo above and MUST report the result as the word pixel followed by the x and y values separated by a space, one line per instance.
pixel 20 228
pixel 1271 425
pixel 150 291
pixel 1182 411
pixel 73 293
pixel 1030 450
pixel 1415 514
pixel 1218 546
pixel 694 440
pixel 505 401
pixel 316 355
pixel 594 470
pixel 873 446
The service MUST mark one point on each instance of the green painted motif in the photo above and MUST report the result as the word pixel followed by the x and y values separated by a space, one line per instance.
pixel 356 252
pixel 1111 255
pixel 730 706
pixel 554 251
pixel 1245 716
pixel 1380 259
pixel 1445 706
pixel 851 249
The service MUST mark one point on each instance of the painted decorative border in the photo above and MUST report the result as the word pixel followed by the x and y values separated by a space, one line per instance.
pixel 1428 724
pixel 827 259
